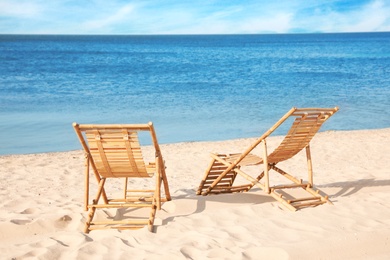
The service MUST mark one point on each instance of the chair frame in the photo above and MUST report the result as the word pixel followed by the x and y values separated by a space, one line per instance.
pixel 222 171
pixel 142 198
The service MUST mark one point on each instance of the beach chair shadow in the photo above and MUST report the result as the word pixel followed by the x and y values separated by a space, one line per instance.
pixel 114 152
pixel 202 202
pixel 224 168
pixel 348 188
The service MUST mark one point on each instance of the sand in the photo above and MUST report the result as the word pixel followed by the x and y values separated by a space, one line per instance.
pixel 42 217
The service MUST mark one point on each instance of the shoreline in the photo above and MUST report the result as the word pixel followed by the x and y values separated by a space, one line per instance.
pixel 42 215
pixel 205 142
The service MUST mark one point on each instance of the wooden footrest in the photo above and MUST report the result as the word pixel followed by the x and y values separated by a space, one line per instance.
pixel 291 186
pixel 121 222
pixel 131 199
pixel 122 205
pixel 230 189
pixel 118 224
pixel 304 199
pixel 308 204
pixel 214 171
pixel 120 227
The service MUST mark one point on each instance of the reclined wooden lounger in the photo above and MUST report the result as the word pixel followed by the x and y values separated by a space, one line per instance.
pixel 223 169
pixel 114 151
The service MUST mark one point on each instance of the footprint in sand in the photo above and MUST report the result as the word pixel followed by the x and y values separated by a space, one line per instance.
pixel 63 221
pixel 21 221
pixel 29 211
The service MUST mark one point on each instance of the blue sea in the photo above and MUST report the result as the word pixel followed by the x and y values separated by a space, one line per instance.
pixel 192 87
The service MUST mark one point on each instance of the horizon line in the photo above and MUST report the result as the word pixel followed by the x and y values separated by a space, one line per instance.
pixel 184 34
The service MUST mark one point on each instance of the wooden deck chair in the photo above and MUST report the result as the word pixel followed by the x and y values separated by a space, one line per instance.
pixel 114 151
pixel 223 169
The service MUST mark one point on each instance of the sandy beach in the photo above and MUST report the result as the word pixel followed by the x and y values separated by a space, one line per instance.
pixel 42 216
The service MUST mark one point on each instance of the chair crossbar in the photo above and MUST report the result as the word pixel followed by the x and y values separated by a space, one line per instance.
pixel 303 199
pixel 291 186
pixel 122 205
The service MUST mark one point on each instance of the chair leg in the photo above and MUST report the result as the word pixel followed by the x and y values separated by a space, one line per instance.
pixel 309 165
pixel 92 209
pixel 125 188
pixel 165 181
pixel 151 218
pixel 91 213
pixel 265 163
pixel 86 199
pixel 157 193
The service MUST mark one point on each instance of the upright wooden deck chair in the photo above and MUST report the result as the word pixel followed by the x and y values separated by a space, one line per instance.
pixel 114 151
pixel 223 169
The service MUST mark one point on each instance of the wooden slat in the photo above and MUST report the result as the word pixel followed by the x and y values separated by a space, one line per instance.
pixel 214 172
pixel 290 186
pixel 120 156
pixel 127 205
pixel 309 204
pixel 299 136
pixel 136 127
pixel 103 158
pixel 122 222
pixel 303 199
pixel 120 227
pixel 134 165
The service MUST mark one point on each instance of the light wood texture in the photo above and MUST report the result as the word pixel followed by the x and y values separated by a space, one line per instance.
pixel 215 169
pixel 220 175
pixel 114 151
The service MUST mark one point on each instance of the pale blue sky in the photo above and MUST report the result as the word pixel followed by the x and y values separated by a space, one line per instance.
pixel 192 17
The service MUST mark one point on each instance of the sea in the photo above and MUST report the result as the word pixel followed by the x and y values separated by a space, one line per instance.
pixel 192 87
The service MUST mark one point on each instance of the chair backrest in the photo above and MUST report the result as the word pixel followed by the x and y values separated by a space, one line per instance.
pixel 115 150
pixel 306 124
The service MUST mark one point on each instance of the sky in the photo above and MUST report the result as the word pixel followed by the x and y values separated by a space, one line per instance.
pixel 134 17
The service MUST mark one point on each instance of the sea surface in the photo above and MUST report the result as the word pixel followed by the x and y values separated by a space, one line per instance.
pixel 192 87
